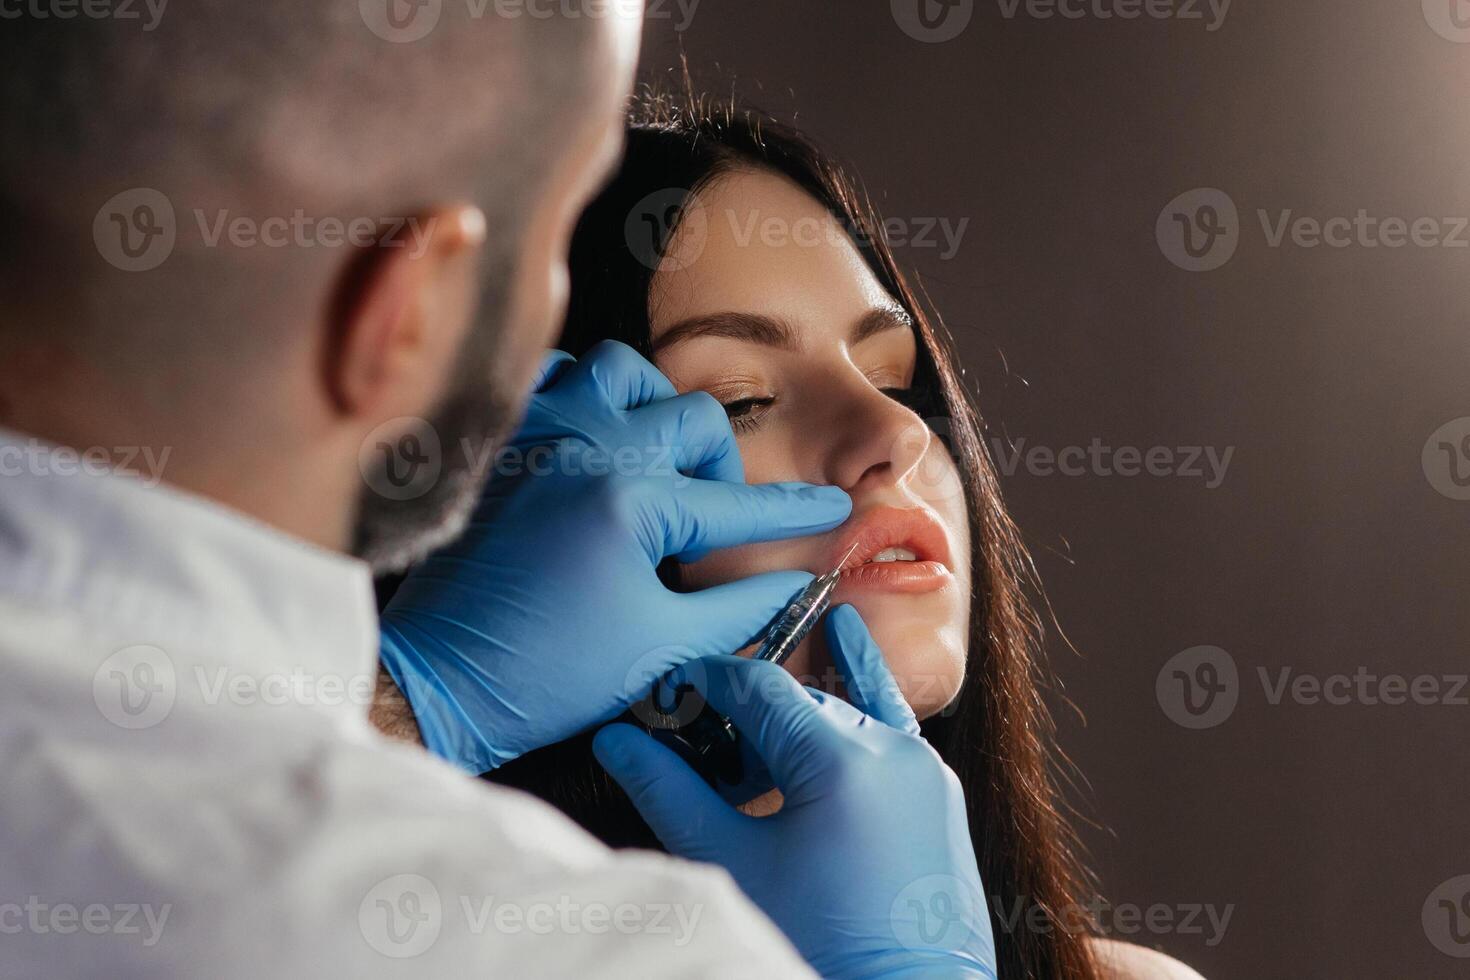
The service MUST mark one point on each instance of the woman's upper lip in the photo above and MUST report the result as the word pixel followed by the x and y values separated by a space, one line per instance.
pixel 883 527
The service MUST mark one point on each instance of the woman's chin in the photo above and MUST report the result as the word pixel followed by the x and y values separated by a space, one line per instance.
pixel 931 680
pixel 925 649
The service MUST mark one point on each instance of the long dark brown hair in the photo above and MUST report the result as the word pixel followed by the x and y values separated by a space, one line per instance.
pixel 997 735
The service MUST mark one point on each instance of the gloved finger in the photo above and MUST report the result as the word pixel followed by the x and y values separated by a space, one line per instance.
pixel 675 801
pixel 769 707
pixel 837 709
pixel 553 365
pixel 871 687
pixel 735 614
pixel 702 515
pixel 624 376
pixel 696 432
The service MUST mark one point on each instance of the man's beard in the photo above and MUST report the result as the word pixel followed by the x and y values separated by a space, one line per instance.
pixel 468 427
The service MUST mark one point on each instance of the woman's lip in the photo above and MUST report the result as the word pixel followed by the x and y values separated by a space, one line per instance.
pixel 895 576
pixel 884 527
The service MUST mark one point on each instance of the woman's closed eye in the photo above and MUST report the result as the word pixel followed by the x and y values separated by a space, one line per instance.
pixel 746 414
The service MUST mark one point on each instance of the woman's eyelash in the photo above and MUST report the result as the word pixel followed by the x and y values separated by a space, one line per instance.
pixel 745 413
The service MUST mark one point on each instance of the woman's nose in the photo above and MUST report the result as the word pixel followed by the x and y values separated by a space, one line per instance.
pixel 882 442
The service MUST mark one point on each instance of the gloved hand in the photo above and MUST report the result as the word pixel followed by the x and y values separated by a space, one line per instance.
pixel 546 616
pixel 868 866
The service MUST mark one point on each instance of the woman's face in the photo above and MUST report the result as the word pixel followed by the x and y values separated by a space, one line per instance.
pixel 765 303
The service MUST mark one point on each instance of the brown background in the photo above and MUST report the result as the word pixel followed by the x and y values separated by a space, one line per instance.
pixel 1326 549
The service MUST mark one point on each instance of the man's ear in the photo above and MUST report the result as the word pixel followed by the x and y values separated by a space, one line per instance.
pixel 400 315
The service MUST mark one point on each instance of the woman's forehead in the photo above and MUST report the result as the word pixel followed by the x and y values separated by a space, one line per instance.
pixel 755 242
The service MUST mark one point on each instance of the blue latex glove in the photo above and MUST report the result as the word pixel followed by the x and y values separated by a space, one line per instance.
pixel 868 866
pixel 546 616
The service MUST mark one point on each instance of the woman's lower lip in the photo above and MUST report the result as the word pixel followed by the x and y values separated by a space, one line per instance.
pixel 897 576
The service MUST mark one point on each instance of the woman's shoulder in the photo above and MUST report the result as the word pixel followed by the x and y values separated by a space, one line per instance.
pixel 1125 961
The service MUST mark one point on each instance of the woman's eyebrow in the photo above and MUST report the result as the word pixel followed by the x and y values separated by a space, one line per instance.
pixel 879 319
pixel 753 327
pixel 770 331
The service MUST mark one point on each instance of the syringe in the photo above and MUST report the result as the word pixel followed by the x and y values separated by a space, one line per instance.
pixel 709 742
pixel 791 627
